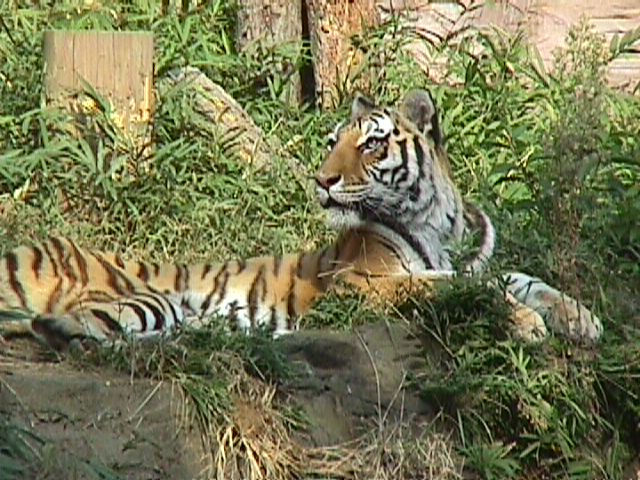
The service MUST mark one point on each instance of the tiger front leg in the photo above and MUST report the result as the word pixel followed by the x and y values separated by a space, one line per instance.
pixel 562 313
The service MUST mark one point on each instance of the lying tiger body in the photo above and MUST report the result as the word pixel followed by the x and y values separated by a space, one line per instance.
pixel 386 184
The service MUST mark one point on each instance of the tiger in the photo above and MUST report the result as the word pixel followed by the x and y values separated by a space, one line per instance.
pixel 386 186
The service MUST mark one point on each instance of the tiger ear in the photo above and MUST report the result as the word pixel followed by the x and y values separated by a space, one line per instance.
pixel 360 106
pixel 419 107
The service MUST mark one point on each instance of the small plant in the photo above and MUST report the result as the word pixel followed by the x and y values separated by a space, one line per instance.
pixel 492 461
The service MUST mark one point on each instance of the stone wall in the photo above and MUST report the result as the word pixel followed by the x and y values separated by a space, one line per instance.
pixel 544 23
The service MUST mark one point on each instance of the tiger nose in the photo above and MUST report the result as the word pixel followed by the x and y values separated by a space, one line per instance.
pixel 327 181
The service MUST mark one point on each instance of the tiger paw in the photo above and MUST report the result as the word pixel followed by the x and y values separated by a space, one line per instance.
pixel 573 320
pixel 527 324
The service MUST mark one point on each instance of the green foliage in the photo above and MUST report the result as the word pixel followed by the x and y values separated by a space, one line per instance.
pixel 492 461
pixel 17 452
pixel 110 195
pixel 520 408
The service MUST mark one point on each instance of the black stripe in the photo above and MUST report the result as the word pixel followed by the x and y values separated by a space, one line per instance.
pixel 54 266
pixel 114 275
pixel 64 260
pixel 119 261
pixel 207 301
pixel 97 296
pixel 298 271
pixel 414 191
pixel 401 230
pixel 223 286
pixel 54 297
pixel 82 264
pixel 36 265
pixel 273 319
pixel 187 277
pixel 435 132
pixel 263 282
pixel 419 152
pixel 204 306
pixel 157 313
pixel 106 319
pixel 291 296
pixel 159 298
pixel 14 283
pixel 58 247
pixel 139 311
pixel 177 284
pixel 242 264
pixel 143 272
pixel 377 175
pixel 402 168
pixel 205 271
pixel 174 313
pixel 393 250
pixel 252 296
pixel 381 174
pixel 451 218
pixel 277 263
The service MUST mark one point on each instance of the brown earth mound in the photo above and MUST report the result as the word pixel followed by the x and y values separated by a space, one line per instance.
pixel 361 419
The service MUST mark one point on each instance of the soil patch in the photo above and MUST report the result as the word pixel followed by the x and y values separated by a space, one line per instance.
pixel 347 384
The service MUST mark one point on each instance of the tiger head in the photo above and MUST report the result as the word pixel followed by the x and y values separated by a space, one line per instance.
pixel 381 162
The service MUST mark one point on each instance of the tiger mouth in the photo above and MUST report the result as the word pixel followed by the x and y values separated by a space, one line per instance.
pixel 327 202
pixel 330 202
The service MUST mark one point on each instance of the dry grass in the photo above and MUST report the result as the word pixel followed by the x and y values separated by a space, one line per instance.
pixel 254 440
pixel 392 453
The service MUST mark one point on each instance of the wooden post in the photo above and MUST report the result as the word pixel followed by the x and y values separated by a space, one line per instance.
pixel 117 65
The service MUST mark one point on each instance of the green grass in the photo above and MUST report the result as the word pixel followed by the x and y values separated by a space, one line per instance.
pixel 554 158
pixel 523 409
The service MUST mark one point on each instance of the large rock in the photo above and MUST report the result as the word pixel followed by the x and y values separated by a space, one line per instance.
pixel 348 380
pixel 99 417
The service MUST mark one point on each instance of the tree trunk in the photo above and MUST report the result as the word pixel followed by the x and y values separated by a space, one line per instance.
pixel 265 25
pixel 337 63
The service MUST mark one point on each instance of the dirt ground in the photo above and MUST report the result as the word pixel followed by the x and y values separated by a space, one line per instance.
pixel 102 417
pixel 352 380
